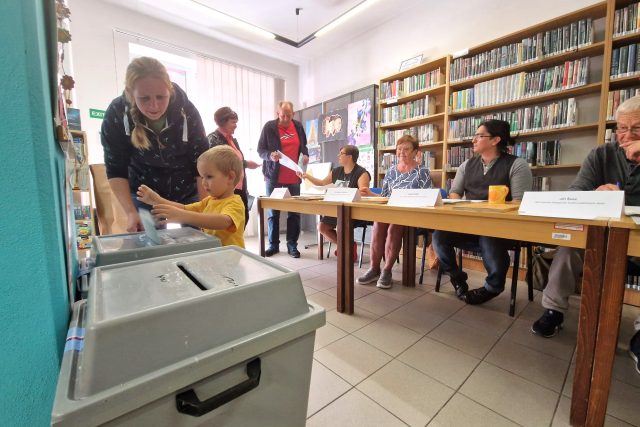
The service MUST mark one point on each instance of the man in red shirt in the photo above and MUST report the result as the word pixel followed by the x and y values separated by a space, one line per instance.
pixel 287 136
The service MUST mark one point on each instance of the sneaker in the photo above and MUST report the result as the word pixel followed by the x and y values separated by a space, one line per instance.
pixel 479 296
pixel 549 324
pixel 271 251
pixel 293 252
pixel 459 283
pixel 368 277
pixel 634 350
pixel 384 282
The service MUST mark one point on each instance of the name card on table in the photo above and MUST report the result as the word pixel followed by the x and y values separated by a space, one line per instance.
pixel 338 194
pixel 280 193
pixel 415 198
pixel 573 204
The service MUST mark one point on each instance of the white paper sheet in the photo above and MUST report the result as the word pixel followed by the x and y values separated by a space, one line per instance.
pixel 288 163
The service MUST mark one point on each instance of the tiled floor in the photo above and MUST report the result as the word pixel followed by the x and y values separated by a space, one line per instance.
pixel 414 357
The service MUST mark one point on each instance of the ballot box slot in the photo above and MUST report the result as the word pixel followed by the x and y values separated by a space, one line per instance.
pixel 191 277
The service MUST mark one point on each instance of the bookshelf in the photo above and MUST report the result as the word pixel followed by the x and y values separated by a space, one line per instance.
pixel 414 101
pixel 82 192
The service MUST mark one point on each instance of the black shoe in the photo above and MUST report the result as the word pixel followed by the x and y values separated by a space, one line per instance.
pixel 272 251
pixel 459 283
pixel 479 296
pixel 549 324
pixel 293 252
pixel 634 350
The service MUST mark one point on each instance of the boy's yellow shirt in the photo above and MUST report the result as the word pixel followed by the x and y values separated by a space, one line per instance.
pixel 232 207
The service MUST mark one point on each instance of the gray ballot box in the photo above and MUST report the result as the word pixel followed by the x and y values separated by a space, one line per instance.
pixel 117 248
pixel 215 337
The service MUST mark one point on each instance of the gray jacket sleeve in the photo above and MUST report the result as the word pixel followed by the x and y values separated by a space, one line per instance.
pixel 520 178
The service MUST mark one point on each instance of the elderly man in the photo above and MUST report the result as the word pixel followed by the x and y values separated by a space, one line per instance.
pixel 282 135
pixel 609 167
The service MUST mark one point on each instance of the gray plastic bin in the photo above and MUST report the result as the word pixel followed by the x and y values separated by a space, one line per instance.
pixel 216 337
pixel 117 248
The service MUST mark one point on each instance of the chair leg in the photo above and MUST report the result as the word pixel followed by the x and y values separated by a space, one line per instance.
pixel 424 254
pixel 329 250
pixel 529 249
pixel 438 279
pixel 364 233
pixel 514 280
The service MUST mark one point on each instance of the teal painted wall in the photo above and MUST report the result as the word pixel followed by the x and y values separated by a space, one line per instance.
pixel 33 298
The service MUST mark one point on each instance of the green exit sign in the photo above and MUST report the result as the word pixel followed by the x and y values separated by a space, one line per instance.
pixel 96 114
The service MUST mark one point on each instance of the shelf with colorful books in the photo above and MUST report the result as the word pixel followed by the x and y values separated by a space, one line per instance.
pixel 414 102
pixel 82 191
pixel 554 38
pixel 594 49
pixel 577 91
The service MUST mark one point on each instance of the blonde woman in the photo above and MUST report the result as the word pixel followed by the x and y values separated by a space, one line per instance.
pixel 152 135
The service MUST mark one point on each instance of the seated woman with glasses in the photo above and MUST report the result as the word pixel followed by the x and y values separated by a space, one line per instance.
pixel 387 238
pixel 491 165
pixel 348 174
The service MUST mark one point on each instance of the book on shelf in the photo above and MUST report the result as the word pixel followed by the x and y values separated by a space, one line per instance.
pixel 557 114
pixel 424 134
pixel 411 110
pixel 541 183
pixel 522 85
pixel 411 84
pixel 626 20
pixel 617 97
pixel 537 153
pixel 625 61
pixel 543 44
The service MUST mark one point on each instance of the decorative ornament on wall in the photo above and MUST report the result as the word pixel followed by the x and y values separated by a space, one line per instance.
pixel 67 84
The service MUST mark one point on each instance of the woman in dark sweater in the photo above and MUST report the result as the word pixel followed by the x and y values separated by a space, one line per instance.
pixel 153 135
pixel 227 121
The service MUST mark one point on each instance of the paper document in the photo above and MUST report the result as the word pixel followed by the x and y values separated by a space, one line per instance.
pixel 632 210
pixel 288 163
pixel 149 225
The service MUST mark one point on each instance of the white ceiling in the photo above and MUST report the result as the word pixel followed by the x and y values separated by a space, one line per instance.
pixel 276 16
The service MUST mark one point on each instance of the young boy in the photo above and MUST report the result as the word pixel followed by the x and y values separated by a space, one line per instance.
pixel 222 213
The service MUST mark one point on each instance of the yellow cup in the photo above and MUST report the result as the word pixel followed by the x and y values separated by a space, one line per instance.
pixel 498 194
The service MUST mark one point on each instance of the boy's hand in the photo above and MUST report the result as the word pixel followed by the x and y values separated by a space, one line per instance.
pixel 147 195
pixel 168 213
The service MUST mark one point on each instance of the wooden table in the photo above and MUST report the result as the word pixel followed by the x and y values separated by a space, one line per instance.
pixel 623 240
pixel 585 234
pixel 312 207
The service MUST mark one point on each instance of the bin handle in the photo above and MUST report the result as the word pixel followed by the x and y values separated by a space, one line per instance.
pixel 188 403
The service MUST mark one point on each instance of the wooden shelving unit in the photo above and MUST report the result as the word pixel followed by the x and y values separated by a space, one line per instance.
pixel 82 192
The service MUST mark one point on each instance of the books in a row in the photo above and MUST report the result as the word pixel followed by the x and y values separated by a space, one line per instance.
pixel 558 114
pixel 610 136
pixel 408 85
pixel 426 158
pixel 538 46
pixel 541 183
pixel 626 20
pixel 82 213
pixel 625 60
pixel 410 110
pixel 537 153
pixel 423 133
pixel 457 155
pixel 522 85
pixel 617 97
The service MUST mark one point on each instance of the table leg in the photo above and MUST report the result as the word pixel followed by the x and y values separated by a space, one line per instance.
pixel 615 270
pixel 588 323
pixel 345 261
pixel 261 226
pixel 409 257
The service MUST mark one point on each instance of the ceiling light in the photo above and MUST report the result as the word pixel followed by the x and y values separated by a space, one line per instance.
pixel 344 17
pixel 234 21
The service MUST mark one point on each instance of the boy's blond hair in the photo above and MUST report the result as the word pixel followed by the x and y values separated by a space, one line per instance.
pixel 224 159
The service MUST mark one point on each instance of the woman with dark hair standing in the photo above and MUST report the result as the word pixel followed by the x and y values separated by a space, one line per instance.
pixel 491 165
pixel 227 121
pixel 153 135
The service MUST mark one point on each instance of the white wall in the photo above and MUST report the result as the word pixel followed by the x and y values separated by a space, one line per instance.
pixel 95 49
pixel 433 28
